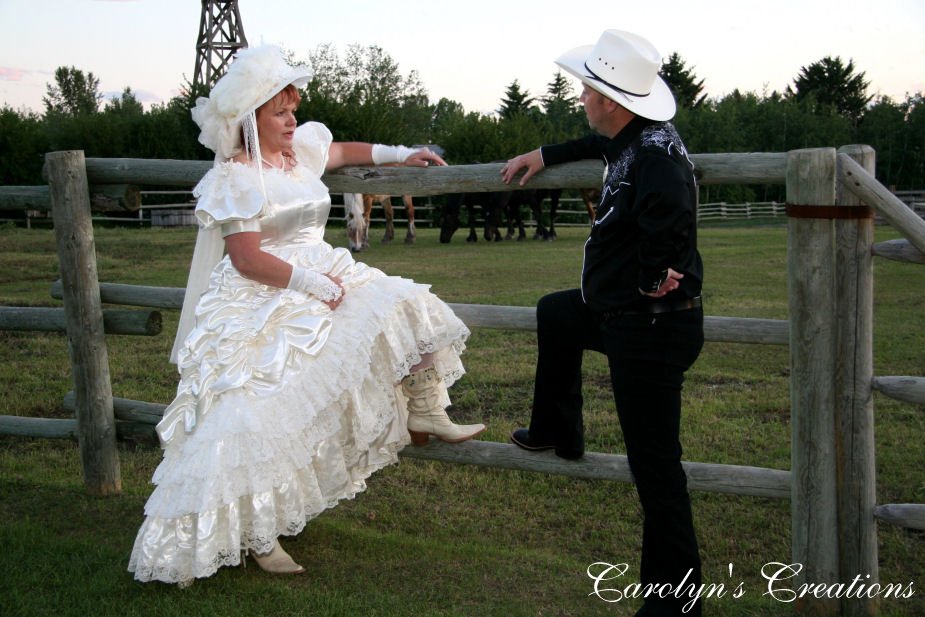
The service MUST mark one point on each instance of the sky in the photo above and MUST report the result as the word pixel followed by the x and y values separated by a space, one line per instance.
pixel 468 51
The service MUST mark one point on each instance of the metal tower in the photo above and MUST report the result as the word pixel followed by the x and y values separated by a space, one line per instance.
pixel 221 34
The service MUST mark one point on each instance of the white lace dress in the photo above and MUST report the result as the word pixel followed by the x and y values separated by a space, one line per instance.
pixel 284 407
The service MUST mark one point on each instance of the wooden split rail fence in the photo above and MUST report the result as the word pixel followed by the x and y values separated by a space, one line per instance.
pixel 831 483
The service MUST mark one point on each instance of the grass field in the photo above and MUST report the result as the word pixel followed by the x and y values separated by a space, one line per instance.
pixel 437 539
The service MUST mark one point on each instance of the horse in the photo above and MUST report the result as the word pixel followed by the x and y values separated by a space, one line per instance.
pixel 533 199
pixel 358 208
pixel 508 203
pixel 491 203
pixel 591 197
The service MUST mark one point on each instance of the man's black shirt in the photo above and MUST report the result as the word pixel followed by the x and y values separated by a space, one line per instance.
pixel 646 221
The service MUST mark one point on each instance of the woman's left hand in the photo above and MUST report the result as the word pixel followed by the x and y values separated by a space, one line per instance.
pixel 333 304
pixel 423 158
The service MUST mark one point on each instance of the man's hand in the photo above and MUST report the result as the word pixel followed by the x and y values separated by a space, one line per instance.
pixel 671 282
pixel 531 161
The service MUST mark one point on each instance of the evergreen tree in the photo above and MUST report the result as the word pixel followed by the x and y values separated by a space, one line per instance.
pixel 515 102
pixel 559 95
pixel 563 113
pixel 682 81
pixel 830 85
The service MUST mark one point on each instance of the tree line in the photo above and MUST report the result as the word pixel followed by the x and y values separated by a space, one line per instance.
pixel 361 94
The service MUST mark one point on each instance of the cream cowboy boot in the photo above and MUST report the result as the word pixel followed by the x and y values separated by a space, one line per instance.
pixel 277 561
pixel 426 415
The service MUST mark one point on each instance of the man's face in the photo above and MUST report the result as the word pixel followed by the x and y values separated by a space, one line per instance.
pixel 596 107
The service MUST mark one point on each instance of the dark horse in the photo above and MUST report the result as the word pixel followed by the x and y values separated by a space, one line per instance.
pixel 494 205
pixel 491 209
pixel 508 204
pixel 539 195
pixel 589 197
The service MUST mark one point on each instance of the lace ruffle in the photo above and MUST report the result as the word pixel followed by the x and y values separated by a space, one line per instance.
pixel 178 549
pixel 228 191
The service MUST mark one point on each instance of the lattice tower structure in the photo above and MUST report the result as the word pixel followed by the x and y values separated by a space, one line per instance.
pixel 221 35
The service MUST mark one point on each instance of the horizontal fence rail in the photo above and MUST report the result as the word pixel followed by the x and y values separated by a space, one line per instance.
pixel 711 477
pixel 744 168
pixel 906 389
pixel 899 250
pixel 730 479
pixel 103 198
pixel 50 319
pixel 716 329
pixel 908 515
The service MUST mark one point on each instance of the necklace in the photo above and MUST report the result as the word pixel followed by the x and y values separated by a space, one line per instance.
pixel 281 166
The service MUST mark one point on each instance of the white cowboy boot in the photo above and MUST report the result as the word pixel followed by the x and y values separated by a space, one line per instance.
pixel 277 561
pixel 426 415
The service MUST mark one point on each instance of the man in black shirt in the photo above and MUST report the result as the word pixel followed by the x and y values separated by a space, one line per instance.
pixel 639 301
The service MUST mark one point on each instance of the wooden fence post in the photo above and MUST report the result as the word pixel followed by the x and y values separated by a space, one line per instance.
pixel 96 426
pixel 854 409
pixel 810 181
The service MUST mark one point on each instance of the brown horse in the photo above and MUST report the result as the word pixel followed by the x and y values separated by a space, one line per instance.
pixel 591 197
pixel 358 208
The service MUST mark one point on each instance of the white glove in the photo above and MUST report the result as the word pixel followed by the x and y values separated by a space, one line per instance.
pixel 310 282
pixel 383 155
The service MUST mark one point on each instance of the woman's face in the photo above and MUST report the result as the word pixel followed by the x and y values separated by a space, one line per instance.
pixel 276 123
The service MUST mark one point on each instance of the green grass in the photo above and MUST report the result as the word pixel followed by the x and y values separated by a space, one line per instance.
pixel 437 539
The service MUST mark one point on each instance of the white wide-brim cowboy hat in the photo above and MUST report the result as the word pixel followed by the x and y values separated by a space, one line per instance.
pixel 623 67
pixel 256 76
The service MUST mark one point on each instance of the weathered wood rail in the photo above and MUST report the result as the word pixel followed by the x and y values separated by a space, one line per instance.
pixel 831 483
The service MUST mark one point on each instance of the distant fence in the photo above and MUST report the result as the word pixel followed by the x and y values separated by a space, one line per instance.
pixel 171 208
pixel 157 208
pixel 748 210
pixel 831 483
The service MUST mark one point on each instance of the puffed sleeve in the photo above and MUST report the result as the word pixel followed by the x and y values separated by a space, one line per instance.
pixel 228 195
pixel 311 143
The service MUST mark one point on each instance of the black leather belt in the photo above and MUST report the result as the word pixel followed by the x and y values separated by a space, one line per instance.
pixel 658 307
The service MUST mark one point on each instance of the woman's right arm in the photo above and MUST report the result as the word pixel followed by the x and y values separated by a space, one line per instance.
pixel 253 263
pixel 256 264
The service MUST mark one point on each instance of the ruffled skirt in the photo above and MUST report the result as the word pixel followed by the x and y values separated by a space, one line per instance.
pixel 284 408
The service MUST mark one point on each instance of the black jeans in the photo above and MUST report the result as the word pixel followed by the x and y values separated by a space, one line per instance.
pixel 648 355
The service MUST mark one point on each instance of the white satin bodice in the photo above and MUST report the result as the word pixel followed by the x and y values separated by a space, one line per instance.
pixel 284 206
pixel 294 223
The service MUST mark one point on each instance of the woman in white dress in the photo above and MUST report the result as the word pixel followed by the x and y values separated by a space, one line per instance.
pixel 302 371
